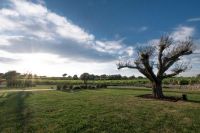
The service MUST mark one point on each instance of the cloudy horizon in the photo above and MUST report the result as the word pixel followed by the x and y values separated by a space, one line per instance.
pixel 52 38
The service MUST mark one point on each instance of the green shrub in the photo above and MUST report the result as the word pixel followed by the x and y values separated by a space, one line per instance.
pixel 183 82
pixel 58 87
pixel 76 88
pixel 83 86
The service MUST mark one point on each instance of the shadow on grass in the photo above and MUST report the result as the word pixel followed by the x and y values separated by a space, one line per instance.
pixel 133 89
pixel 81 90
pixel 15 111
pixel 146 90
pixel 193 101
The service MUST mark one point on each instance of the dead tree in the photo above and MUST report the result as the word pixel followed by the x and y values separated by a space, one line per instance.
pixel 167 53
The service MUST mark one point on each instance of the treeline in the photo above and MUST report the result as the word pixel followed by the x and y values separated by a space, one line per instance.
pixel 68 77
pixel 14 79
pixel 91 77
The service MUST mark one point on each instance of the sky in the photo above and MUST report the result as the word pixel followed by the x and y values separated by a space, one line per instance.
pixel 49 37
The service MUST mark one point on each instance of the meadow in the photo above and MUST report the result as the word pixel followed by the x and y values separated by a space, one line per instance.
pixel 102 110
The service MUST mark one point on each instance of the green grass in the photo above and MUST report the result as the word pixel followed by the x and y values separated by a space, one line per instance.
pixel 94 111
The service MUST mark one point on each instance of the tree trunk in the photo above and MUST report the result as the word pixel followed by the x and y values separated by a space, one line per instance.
pixel 157 90
pixel 85 83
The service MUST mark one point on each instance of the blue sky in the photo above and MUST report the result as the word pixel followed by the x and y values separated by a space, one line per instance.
pixel 135 20
pixel 76 36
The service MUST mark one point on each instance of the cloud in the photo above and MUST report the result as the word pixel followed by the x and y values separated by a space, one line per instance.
pixel 143 28
pixel 7 60
pixel 138 29
pixel 33 38
pixel 30 27
pixel 193 19
pixel 53 65
pixel 182 33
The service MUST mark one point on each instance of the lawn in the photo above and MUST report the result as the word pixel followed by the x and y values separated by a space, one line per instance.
pixel 94 111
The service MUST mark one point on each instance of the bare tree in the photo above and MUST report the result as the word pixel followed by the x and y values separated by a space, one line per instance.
pixel 167 54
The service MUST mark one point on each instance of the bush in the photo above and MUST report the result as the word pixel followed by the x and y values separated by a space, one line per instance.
pixel 58 87
pixel 20 83
pixel 103 86
pixel 83 87
pixel 76 88
pixel 183 82
pixel 193 81
pixel 64 87
pixel 70 87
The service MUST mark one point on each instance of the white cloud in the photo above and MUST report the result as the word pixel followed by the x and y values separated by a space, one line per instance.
pixel 32 35
pixel 143 28
pixel 182 33
pixel 25 8
pixel 193 19
pixel 67 29
pixel 108 46
pixel 33 20
pixel 8 12
pixel 53 65
pixel 129 51
pixel 4 39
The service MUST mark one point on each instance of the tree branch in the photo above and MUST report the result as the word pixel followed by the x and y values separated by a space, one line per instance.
pixel 181 49
pixel 179 68
pixel 164 43
pixel 144 58
pixel 121 65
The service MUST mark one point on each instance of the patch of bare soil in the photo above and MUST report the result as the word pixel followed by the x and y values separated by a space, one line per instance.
pixel 166 98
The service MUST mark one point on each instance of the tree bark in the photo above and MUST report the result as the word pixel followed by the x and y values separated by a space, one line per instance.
pixel 157 90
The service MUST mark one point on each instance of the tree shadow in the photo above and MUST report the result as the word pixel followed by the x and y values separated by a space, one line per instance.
pixel 133 89
pixel 193 101
pixel 16 112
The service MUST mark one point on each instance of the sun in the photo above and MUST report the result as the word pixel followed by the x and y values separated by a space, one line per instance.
pixel 36 62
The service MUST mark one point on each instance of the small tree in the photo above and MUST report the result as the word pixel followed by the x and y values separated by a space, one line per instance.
pixel 75 77
pixel 132 77
pixel 11 78
pixel 198 76
pixel 168 54
pixel 85 77
pixel 64 75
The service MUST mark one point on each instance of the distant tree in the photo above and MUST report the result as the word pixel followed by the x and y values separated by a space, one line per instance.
pixel 198 76
pixel 1 78
pixel 75 77
pixel 168 54
pixel 125 77
pixel 64 75
pixel 132 77
pixel 115 77
pixel 35 76
pixel 91 77
pixel 85 77
pixel 103 77
pixel 69 77
pixel 1 75
pixel 140 77
pixel 29 75
pixel 11 77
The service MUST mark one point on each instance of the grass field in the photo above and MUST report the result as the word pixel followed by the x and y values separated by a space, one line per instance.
pixel 94 111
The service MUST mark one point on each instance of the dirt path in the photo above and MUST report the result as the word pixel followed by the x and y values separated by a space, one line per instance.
pixel 19 90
